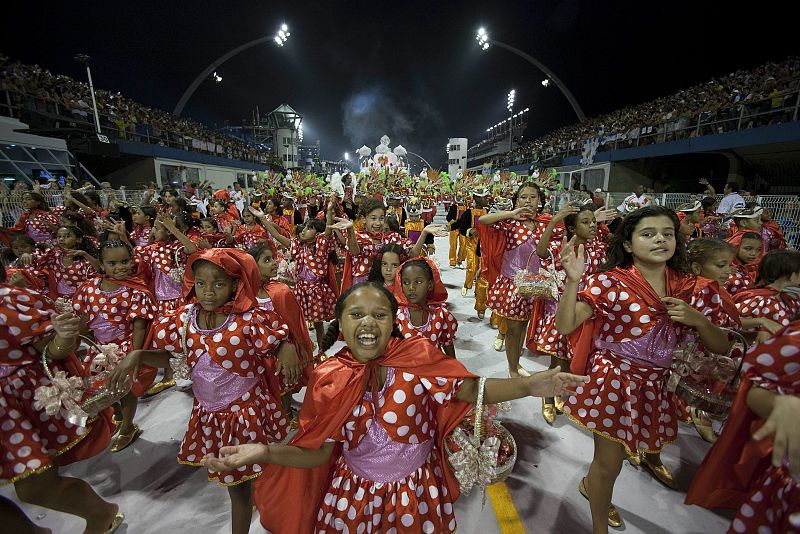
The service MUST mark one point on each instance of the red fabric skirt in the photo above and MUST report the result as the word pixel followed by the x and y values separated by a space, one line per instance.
pixel 626 403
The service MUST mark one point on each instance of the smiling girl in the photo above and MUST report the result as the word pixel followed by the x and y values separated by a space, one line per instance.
pixel 369 452
pixel 69 265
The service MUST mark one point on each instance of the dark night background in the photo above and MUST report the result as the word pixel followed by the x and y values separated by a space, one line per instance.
pixel 409 69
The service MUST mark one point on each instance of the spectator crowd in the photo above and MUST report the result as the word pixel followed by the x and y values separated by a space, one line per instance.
pixel 761 95
pixel 31 88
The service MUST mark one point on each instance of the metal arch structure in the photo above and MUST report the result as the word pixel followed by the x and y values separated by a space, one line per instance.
pixel 538 64
pixel 420 157
pixel 211 68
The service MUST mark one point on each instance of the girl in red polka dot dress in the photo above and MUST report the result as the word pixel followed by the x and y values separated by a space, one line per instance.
pixel 758 471
pixel 224 338
pixel 316 287
pixel 291 371
pixel 250 233
pixel 580 222
pixel 632 316
pixel 363 246
pixel 508 245
pixel 368 456
pixel 144 217
pixel 34 443
pixel 767 300
pixel 118 308
pixel 385 265
pixel 748 247
pixel 421 310
pixel 37 221
pixel 69 265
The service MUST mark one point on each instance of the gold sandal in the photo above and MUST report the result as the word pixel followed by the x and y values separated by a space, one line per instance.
pixel 115 524
pixel 123 440
pixel 548 412
pixel 614 519
pixel 158 388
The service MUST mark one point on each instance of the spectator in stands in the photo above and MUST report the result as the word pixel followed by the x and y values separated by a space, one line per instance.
pixel 731 201
pixel 634 201
pixel 599 198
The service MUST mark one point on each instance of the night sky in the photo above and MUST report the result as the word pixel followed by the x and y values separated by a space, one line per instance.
pixel 409 69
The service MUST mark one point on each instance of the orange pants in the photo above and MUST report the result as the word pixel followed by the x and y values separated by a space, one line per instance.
pixel 457 248
pixel 473 261
pixel 481 290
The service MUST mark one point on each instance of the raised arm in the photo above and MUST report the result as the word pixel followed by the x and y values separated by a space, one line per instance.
pixel 169 224
pixel 273 230
pixel 542 247
pixel 435 230
pixel 519 214
pixel 571 312
pixel 550 383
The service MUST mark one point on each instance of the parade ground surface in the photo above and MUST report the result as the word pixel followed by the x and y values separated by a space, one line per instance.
pixel 541 494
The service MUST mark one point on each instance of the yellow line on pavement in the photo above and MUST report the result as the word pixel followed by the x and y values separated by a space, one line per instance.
pixel 504 510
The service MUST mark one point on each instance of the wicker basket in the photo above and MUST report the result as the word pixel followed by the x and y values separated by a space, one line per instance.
pixel 476 439
pixel 540 285
pixel 700 396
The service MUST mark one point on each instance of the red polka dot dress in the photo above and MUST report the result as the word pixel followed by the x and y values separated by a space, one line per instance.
pixel 775 494
pixel 548 340
pixel 36 224
pixel 440 328
pixel 30 439
pixel 769 303
pixel 626 399
pixel 140 235
pixel 163 257
pixel 315 295
pixel 373 488
pixel 110 314
pixel 740 279
pixel 521 240
pixel 232 403
pixel 369 245
pixel 67 278
pixel 246 238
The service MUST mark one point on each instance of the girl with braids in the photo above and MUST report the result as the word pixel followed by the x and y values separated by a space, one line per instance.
pixel 767 300
pixel 581 222
pixel 369 452
pixel 34 444
pixel 362 246
pixel 225 340
pixel 36 221
pixel 508 245
pixel 627 320
pixel 117 307
pixel 144 218
pixel 291 370
pixel 70 264
pixel 421 305
pixel 316 288
pixel 385 264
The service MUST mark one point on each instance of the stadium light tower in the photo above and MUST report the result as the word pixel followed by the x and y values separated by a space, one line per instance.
pixel 484 42
pixel 83 58
pixel 280 38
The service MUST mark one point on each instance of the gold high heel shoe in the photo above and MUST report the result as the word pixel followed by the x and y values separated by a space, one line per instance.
pixel 155 389
pixel 660 472
pixel 548 412
pixel 499 343
pixel 123 440
pixel 115 524
pixel 614 519
pixel 559 405
pixel 703 427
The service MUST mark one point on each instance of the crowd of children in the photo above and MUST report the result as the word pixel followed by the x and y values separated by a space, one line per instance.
pixel 228 301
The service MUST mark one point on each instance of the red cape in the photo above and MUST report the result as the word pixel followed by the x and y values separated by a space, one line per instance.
pixel 736 240
pixel 288 498
pixel 679 285
pixel 735 460
pixel 778 241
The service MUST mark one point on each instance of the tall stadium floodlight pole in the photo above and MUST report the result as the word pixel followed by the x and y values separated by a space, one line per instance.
pixel 83 58
pixel 279 39
pixel 484 41
pixel 420 157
